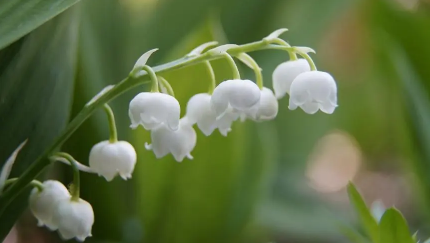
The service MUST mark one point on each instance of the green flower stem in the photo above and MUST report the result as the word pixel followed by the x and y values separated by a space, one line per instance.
pixel 309 59
pixel 232 64
pixel 166 84
pixel 211 76
pixel 153 77
pixel 113 135
pixel 257 70
pixel 34 183
pixel 76 178
pixel 126 84
pixel 281 42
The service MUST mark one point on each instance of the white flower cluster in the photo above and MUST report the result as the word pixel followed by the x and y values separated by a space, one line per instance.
pixel 54 208
pixel 58 209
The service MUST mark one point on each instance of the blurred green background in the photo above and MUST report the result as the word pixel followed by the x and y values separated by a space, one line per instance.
pixel 280 181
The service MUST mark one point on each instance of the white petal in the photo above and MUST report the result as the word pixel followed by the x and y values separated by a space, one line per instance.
pixel 75 218
pixel 285 73
pixel 241 95
pixel 179 143
pixel 199 111
pixel 42 204
pixel 152 109
pixel 310 107
pixel 225 121
pixel 314 87
pixel 268 106
pixel 109 159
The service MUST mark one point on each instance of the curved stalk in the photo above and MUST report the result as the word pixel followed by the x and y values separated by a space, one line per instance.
pixel 113 135
pixel 211 76
pixel 35 183
pixel 76 178
pixel 232 64
pixel 248 60
pixel 167 85
pixel 153 77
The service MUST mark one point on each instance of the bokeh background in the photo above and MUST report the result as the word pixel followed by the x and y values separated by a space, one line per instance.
pixel 279 181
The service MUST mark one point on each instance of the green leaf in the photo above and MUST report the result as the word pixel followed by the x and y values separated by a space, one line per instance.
pixel 368 221
pixel 36 82
pixel 393 228
pixel 20 17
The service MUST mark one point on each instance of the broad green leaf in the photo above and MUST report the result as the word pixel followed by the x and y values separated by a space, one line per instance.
pixel 367 220
pixel 36 80
pixel 393 228
pixel 20 17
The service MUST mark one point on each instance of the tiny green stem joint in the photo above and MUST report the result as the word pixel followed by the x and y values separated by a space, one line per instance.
pixel 166 84
pixel 309 59
pixel 113 135
pixel 234 69
pixel 153 77
pixel 257 70
pixel 35 183
pixel 76 178
pixel 211 76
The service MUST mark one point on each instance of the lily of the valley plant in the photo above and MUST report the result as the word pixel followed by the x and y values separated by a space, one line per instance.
pixel 62 209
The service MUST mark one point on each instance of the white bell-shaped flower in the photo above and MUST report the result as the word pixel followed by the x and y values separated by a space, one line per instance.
pixel 75 219
pixel 109 159
pixel 199 110
pixel 241 95
pixel 285 73
pixel 42 203
pixel 153 109
pixel 312 91
pixel 179 143
pixel 267 108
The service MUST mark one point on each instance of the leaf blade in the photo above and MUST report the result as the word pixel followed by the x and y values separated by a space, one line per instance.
pixel 20 17
pixel 368 221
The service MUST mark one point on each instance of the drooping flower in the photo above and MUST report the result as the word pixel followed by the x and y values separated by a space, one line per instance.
pixel 312 91
pixel 199 110
pixel 179 143
pixel 42 203
pixel 153 109
pixel 109 159
pixel 241 95
pixel 267 108
pixel 75 219
pixel 285 73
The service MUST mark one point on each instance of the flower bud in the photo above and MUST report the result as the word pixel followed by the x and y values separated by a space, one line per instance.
pixel 241 95
pixel 179 143
pixel 153 109
pixel 109 159
pixel 312 91
pixel 75 219
pixel 285 73
pixel 42 203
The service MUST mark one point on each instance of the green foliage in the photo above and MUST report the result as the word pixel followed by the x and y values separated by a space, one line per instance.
pixel 392 227
pixel 367 220
pixel 20 17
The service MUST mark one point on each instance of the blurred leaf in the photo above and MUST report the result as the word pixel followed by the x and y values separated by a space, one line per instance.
pixel 20 17
pixel 393 228
pixel 368 221
pixel 36 83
